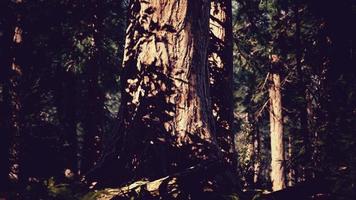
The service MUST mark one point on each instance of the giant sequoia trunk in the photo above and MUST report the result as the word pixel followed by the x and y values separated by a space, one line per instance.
pixel 220 75
pixel 276 128
pixel 165 114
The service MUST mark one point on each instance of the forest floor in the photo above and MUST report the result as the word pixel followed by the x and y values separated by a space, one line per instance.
pixel 197 183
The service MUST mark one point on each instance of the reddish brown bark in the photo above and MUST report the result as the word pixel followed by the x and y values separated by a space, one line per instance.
pixel 165 114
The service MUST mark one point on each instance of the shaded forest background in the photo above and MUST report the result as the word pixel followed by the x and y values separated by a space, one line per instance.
pixel 60 91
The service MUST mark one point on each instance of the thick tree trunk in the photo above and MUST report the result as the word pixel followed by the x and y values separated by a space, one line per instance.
pixel 165 110
pixel 276 129
pixel 220 76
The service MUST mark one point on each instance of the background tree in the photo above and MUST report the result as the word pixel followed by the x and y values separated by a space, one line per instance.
pixel 53 58
pixel 12 68
pixel 305 61
pixel 276 127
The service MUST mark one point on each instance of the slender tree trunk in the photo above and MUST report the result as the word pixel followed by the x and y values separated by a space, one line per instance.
pixel 256 159
pixel 220 75
pixel 315 138
pixel 304 128
pixel 66 99
pixel 71 122
pixel 165 110
pixel 276 129
pixel 93 121
pixel 254 152
pixel 250 150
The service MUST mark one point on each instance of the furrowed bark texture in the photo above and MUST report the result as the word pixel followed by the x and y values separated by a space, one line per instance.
pixel 220 75
pixel 276 129
pixel 165 112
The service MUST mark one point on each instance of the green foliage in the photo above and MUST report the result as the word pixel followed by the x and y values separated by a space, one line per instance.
pixel 263 28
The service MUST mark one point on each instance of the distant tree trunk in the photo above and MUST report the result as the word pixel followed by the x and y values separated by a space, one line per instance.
pixel 93 120
pixel 66 102
pixel 314 134
pixel 249 129
pixel 256 158
pixel 276 129
pixel 165 110
pixel 92 145
pixel 71 121
pixel 253 173
pixel 220 76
